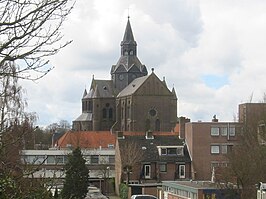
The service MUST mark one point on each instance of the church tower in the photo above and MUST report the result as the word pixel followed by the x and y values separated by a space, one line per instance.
pixel 128 66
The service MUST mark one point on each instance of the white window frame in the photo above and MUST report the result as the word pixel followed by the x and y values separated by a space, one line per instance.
pixel 215 131
pixel 180 168
pixel 215 149
pixel 224 131
pixel 147 171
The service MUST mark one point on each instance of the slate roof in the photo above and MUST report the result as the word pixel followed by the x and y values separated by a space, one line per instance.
pixel 128 62
pixel 84 117
pixel 151 153
pixel 101 89
pixel 87 139
pixel 133 86
pixel 128 36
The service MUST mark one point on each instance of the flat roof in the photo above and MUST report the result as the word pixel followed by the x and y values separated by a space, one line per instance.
pixel 191 184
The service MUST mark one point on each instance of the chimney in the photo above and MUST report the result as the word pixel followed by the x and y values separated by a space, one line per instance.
pixel 214 119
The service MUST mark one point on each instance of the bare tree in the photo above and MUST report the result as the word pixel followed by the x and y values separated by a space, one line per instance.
pixel 131 155
pixel 30 32
pixel 247 161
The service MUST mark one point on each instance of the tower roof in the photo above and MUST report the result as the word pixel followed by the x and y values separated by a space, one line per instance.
pixel 128 36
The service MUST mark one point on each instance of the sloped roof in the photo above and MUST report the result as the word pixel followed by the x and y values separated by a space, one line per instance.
pixel 128 62
pixel 102 89
pixel 149 146
pixel 84 117
pixel 133 86
pixel 87 139
pixel 128 36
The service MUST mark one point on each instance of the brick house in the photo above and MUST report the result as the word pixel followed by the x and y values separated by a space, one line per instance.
pixel 163 156
pixel 208 144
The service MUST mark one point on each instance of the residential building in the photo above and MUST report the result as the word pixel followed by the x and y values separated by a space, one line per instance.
pixel 98 149
pixel 252 113
pixel 253 117
pixel 131 101
pixel 159 156
pixel 50 163
pixel 208 143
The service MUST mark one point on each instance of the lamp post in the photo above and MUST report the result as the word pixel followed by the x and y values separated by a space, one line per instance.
pixel 107 186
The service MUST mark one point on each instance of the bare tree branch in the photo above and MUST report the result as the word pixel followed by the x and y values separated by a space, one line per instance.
pixel 30 31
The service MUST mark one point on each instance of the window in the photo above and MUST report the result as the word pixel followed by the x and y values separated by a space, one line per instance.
pixel 39 159
pixel 215 149
pixel 111 159
pixel 104 113
pixel 157 125
pixel 172 151
pixel 94 159
pixel 87 159
pixel 59 159
pixel 182 171
pixel 232 131
pixel 51 159
pixel 147 171
pixel 229 148
pixel 224 149
pixel 110 113
pixel 90 105
pixel 163 167
pixel 163 151
pixel 147 125
pixel 223 131
pixel 152 112
pixel 103 159
pixel 215 131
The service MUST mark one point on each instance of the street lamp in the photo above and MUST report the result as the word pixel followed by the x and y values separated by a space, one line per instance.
pixel 107 187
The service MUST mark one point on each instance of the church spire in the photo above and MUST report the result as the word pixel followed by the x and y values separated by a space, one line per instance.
pixel 128 45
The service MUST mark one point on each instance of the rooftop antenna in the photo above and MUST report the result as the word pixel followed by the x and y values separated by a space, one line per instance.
pixel 128 16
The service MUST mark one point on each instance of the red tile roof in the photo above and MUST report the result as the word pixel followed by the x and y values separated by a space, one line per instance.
pixel 87 139
pixel 154 133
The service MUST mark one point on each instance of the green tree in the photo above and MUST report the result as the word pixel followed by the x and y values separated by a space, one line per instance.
pixel 77 177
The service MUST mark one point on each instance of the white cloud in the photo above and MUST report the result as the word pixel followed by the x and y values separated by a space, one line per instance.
pixel 183 40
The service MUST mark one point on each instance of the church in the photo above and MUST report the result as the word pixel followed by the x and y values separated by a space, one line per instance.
pixel 132 100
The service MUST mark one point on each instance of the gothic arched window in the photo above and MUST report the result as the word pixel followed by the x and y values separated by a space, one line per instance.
pixel 147 124
pixel 104 113
pixel 157 125
pixel 110 113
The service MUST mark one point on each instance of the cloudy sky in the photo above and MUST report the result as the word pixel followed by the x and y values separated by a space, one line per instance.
pixel 212 52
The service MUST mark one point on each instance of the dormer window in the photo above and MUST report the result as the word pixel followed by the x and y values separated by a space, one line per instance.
pixel 171 150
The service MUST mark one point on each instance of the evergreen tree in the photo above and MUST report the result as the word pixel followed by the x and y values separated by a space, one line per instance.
pixel 77 177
